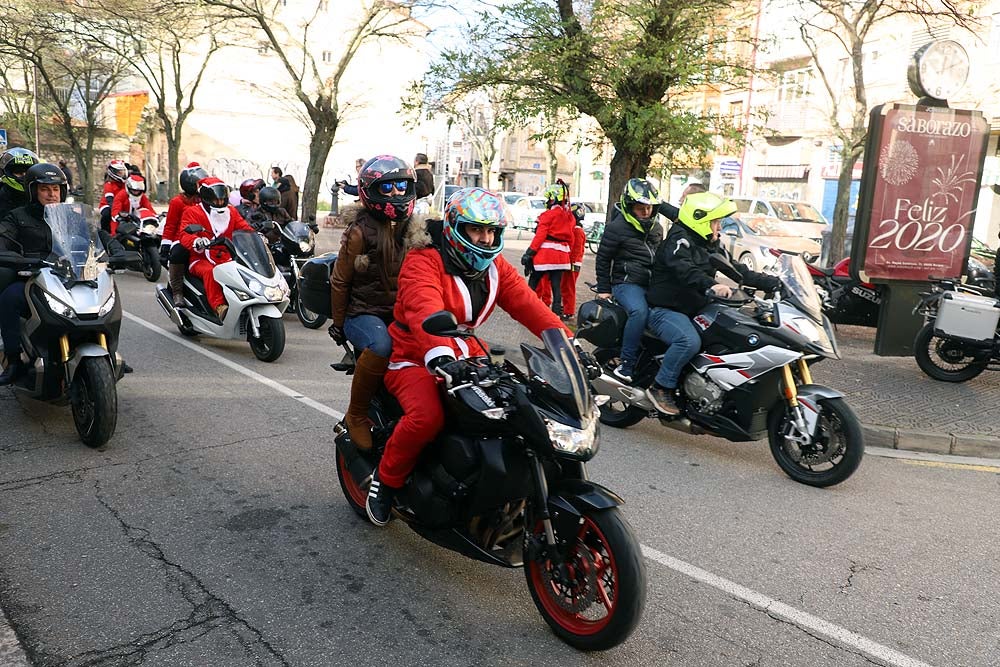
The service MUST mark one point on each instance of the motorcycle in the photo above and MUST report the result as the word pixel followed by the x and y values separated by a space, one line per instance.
pixel 849 301
pixel 294 244
pixel 256 293
pixel 142 235
pixel 752 378
pixel 70 336
pixel 960 338
pixel 505 483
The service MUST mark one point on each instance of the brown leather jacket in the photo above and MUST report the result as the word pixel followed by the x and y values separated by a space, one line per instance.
pixel 357 285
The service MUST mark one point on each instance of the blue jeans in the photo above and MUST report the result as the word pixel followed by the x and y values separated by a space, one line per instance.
pixel 632 298
pixel 13 305
pixel 676 330
pixel 368 332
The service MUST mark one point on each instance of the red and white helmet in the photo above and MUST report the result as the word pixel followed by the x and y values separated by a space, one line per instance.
pixel 135 184
pixel 117 171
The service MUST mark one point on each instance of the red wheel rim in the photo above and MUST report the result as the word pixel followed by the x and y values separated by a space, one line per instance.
pixel 359 496
pixel 590 549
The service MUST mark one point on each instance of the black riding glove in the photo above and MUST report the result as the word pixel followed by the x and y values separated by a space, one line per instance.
pixel 164 254
pixel 337 334
pixel 527 261
pixel 771 284
pixel 454 371
pixel 589 363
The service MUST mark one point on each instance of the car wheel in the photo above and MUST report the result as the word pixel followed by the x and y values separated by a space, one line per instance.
pixel 747 260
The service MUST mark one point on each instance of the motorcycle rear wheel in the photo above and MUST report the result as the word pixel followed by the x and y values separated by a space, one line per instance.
pixel 945 360
pixel 356 494
pixel 271 343
pixel 151 267
pixel 617 414
pixel 308 318
pixel 601 603
pixel 839 431
pixel 94 401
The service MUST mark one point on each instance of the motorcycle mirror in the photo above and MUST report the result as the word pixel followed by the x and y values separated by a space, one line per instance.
pixel 441 323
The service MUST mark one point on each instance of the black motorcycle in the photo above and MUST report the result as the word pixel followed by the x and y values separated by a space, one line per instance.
pixel 293 244
pixel 960 338
pixel 751 379
pixel 142 237
pixel 505 483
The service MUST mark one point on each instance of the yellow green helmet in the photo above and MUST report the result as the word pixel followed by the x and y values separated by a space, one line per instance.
pixel 556 194
pixel 638 191
pixel 701 208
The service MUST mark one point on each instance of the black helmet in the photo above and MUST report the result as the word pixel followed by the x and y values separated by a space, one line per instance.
pixel 190 177
pixel 269 199
pixel 46 174
pixel 13 165
pixel 211 190
pixel 382 171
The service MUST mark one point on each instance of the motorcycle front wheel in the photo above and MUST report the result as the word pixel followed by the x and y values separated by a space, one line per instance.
pixel 271 342
pixel 151 267
pixel 834 453
pixel 946 360
pixel 594 599
pixel 94 401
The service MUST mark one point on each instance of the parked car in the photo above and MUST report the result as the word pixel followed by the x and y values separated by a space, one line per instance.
pixel 450 189
pixel 783 209
pixel 526 212
pixel 512 198
pixel 750 241
pixel 596 212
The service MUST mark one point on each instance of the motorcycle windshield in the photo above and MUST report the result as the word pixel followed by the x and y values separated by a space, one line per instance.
pixel 799 286
pixel 558 367
pixel 296 230
pixel 77 251
pixel 252 252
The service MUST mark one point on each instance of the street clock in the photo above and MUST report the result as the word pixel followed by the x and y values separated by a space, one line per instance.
pixel 939 69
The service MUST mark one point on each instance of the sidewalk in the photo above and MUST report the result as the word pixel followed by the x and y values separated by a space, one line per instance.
pixel 902 408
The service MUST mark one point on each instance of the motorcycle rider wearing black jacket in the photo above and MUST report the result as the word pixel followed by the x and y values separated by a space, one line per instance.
pixel 682 276
pixel 25 232
pixel 625 259
pixel 14 163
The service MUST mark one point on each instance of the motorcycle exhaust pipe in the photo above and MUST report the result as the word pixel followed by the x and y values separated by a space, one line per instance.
pixel 683 424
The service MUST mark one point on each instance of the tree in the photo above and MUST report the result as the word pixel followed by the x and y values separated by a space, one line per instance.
pixel 74 76
pixel 626 64
pixel 168 46
pixel 17 112
pixel 317 84
pixel 847 24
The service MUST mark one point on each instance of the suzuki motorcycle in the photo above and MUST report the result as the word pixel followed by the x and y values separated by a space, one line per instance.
pixel 254 290
pixel 70 336
pixel 143 237
pixel 751 379
pixel 960 338
pixel 294 244
pixel 506 483
pixel 850 301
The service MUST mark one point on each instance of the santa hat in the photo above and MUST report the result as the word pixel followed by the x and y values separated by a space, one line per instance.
pixel 210 180
pixel 192 165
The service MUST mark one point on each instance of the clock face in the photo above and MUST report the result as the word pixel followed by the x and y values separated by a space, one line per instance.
pixel 942 68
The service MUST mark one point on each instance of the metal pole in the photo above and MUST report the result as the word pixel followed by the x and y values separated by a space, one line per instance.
pixel 34 79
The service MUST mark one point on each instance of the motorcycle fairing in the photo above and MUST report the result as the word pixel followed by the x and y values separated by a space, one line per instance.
pixel 733 370
pixel 809 396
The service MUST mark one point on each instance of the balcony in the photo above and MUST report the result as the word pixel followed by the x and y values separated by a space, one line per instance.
pixel 795 119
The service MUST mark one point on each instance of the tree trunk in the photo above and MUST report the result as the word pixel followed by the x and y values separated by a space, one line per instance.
pixel 550 150
pixel 842 207
pixel 173 160
pixel 624 165
pixel 320 144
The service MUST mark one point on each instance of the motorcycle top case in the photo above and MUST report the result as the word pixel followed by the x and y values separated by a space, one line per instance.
pixel 601 322
pixel 967 316
pixel 314 283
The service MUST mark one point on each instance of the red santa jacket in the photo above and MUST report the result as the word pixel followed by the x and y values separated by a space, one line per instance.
pixel 176 208
pixel 579 245
pixel 122 204
pixel 553 240
pixel 111 188
pixel 425 287
pixel 195 215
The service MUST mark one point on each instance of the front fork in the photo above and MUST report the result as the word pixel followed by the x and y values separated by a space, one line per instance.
pixel 792 397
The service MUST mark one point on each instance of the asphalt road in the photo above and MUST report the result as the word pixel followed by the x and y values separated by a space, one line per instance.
pixel 212 531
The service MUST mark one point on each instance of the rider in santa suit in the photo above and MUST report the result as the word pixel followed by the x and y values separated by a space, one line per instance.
pixel 214 218
pixel 131 200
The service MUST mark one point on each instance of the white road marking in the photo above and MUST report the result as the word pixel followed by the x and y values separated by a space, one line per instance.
pixel 757 600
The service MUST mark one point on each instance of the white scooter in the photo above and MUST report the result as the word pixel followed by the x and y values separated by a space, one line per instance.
pixel 255 291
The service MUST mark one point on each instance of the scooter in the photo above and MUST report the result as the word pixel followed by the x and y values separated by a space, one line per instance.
pixel 70 336
pixel 294 245
pixel 256 293
pixel 505 483
pixel 141 234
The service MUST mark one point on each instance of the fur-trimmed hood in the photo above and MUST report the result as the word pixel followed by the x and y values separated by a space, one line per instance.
pixel 416 231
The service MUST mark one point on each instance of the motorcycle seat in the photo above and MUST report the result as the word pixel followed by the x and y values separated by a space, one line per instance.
pixel 827 271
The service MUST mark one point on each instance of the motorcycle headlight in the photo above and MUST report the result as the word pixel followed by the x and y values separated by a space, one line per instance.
pixel 305 246
pixel 255 287
pixel 582 443
pixel 274 293
pixel 58 307
pixel 108 305
pixel 806 328
pixel 241 295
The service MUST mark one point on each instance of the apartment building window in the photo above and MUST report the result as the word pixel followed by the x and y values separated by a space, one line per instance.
pixel 796 85
pixel 736 114
pixel 327 56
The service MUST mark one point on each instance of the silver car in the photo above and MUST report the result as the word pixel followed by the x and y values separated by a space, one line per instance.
pixel 750 241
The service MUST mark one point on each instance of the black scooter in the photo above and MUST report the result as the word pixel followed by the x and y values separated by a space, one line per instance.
pixel 506 483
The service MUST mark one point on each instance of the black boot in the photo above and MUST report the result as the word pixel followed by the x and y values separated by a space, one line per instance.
pixel 14 371
pixel 379 504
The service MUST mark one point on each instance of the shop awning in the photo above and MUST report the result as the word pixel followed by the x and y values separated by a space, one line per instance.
pixel 781 172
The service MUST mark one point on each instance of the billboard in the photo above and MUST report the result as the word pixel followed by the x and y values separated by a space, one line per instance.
pixel 919 191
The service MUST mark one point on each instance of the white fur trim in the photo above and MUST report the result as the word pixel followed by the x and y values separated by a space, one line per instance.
pixel 552 245
pixel 464 347
pixel 466 297
pixel 552 267
pixel 439 351
pixel 396 365
pixel 493 282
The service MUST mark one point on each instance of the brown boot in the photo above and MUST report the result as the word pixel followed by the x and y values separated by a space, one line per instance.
pixel 221 310
pixel 368 372
pixel 175 274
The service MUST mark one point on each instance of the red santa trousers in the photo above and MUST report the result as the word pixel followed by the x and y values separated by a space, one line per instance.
pixel 423 418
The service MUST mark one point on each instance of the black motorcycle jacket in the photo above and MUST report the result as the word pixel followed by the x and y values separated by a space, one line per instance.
pixel 682 272
pixel 626 252
pixel 11 199
pixel 25 232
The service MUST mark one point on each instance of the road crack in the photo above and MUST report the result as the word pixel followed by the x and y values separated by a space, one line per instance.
pixel 855 568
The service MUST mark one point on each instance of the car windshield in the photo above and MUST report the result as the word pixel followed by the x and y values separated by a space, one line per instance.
pixel 799 285
pixel 77 250
pixel 512 198
pixel 252 253
pixel 564 379
pixel 766 226
pixel 796 211
pixel 537 203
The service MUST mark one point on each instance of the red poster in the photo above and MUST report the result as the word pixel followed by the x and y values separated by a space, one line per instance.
pixel 925 193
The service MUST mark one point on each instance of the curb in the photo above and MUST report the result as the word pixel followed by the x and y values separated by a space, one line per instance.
pixel 11 653
pixel 933 442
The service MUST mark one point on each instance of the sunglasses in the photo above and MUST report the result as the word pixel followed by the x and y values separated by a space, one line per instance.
pixel 386 187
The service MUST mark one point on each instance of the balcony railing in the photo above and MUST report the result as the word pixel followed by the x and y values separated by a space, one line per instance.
pixel 795 119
